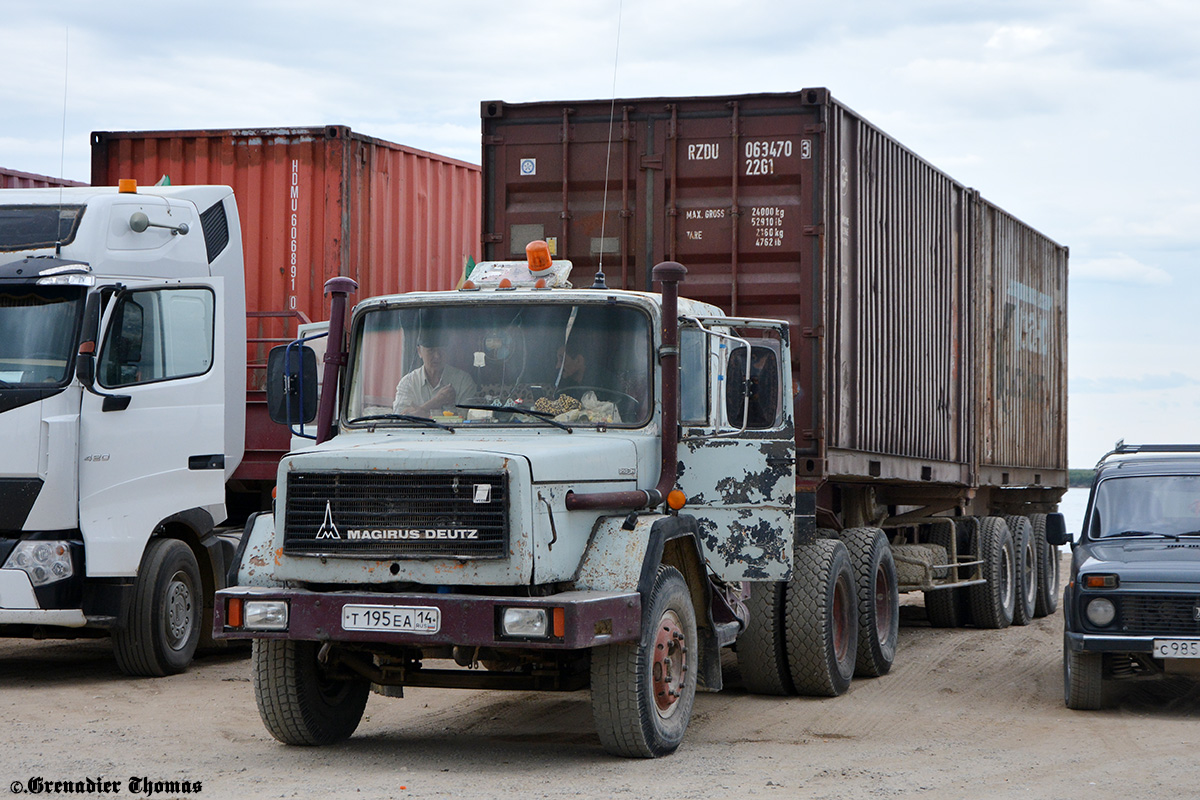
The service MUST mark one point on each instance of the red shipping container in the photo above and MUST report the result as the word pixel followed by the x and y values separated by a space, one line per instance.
pixel 12 179
pixel 314 203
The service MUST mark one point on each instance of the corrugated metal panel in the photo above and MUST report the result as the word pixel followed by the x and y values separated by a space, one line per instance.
pixel 1021 281
pixel 314 203
pixel 13 179
pixel 791 206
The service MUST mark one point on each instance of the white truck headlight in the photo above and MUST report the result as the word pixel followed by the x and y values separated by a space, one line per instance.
pixel 1101 611
pixel 266 615
pixel 43 562
pixel 524 622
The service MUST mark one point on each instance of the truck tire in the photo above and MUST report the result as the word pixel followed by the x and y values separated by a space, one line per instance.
pixel 162 628
pixel 1048 569
pixel 878 600
pixel 820 609
pixel 299 704
pixel 1083 679
pixel 948 608
pixel 642 692
pixel 992 602
pixel 762 647
pixel 1027 569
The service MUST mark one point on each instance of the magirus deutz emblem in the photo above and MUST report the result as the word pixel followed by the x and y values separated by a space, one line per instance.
pixel 328 530
pixel 1196 612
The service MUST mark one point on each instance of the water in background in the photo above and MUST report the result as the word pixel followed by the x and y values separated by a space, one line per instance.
pixel 1073 504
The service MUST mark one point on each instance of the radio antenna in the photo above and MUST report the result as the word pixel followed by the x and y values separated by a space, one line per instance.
pixel 598 283
pixel 62 152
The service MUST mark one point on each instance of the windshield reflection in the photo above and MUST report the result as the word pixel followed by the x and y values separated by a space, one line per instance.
pixel 37 334
pixel 1146 506
pixel 514 363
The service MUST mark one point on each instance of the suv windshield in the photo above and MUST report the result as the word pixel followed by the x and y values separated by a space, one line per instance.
pixel 38 326
pixel 518 363
pixel 1157 505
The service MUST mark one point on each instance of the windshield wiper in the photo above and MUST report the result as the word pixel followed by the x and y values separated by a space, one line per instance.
pixel 545 416
pixel 426 421
pixel 1157 534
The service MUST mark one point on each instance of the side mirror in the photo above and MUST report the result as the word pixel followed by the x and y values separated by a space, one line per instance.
pixel 1056 530
pixel 85 369
pixel 292 385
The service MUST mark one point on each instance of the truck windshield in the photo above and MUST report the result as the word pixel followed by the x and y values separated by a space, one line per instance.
pixel 38 327
pixel 1152 505
pixel 32 227
pixel 513 363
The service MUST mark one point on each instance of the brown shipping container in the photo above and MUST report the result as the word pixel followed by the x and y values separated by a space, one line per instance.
pixel 928 326
pixel 12 179
pixel 314 203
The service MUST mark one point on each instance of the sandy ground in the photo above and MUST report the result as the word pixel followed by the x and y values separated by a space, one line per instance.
pixel 964 714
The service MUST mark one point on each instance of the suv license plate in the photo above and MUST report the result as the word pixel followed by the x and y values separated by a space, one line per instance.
pixel 402 619
pixel 1177 648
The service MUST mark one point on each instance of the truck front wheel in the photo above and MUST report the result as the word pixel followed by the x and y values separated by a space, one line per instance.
pixel 160 633
pixel 642 692
pixel 299 702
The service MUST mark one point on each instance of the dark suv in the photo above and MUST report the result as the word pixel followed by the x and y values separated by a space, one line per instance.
pixel 1132 606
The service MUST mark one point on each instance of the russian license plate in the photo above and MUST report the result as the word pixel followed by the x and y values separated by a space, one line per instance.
pixel 1177 648
pixel 403 619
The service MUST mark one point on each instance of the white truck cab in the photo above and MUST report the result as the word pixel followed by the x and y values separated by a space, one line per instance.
pixel 122 397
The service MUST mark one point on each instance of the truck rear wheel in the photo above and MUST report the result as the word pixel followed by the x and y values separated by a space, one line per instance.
pixel 642 692
pixel 160 633
pixel 298 701
pixel 1048 569
pixel 1083 679
pixel 992 602
pixel 822 619
pixel 762 647
pixel 950 608
pixel 1027 569
pixel 878 600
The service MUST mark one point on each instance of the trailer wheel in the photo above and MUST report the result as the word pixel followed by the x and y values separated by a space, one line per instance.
pixel 298 701
pixel 992 602
pixel 822 619
pixel 762 647
pixel 642 692
pixel 1048 571
pixel 948 608
pixel 1083 679
pixel 878 600
pixel 160 633
pixel 1027 569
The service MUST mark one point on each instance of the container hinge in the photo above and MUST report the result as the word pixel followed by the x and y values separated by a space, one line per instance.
pixel 815 230
pixel 816 127
pixel 813 333
pixel 492 238
pixel 810 433
pixel 493 139
pixel 651 162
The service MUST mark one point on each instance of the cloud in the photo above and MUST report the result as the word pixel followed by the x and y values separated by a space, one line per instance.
pixel 1119 268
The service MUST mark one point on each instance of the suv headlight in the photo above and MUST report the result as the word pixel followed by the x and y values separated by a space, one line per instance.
pixel 43 562
pixel 1101 611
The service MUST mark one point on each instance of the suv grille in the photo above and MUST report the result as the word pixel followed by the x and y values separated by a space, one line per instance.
pixel 397 515
pixel 1166 614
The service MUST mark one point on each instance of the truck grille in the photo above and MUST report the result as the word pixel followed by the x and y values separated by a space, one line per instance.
pixel 397 515
pixel 1160 614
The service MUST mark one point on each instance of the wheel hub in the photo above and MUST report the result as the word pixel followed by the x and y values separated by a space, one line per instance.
pixel 179 611
pixel 669 668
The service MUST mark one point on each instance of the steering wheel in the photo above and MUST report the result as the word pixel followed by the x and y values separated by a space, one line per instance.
pixel 627 404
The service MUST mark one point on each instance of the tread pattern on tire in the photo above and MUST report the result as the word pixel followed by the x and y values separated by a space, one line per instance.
pixel 945 608
pixel 876 653
pixel 1083 677
pixel 762 647
pixel 138 644
pixel 1026 598
pixel 289 702
pixel 1048 569
pixel 808 614
pixel 986 600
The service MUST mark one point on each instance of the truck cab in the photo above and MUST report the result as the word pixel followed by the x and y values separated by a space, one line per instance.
pixel 527 486
pixel 122 378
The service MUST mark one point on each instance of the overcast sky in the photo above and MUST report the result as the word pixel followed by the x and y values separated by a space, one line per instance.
pixel 1080 117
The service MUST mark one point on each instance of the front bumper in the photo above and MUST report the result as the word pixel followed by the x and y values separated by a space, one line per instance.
pixel 1100 643
pixel 590 618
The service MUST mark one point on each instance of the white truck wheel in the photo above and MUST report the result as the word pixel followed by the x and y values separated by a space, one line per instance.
pixel 642 692
pixel 299 703
pixel 162 628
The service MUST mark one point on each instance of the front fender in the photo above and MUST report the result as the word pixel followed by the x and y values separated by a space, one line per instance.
pixel 254 562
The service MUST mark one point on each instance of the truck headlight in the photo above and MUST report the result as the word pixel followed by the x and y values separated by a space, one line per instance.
pixel 524 622
pixel 266 615
pixel 43 562
pixel 1101 612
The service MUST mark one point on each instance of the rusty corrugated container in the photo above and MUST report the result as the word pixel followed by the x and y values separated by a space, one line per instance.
pixel 794 207
pixel 14 179
pixel 314 203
